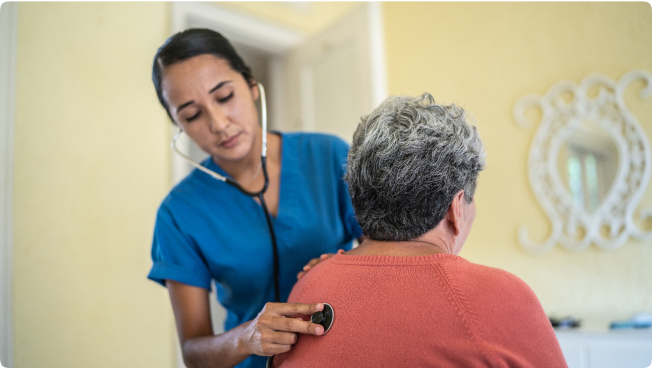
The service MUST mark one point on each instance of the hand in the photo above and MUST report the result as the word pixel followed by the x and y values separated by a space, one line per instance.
pixel 274 330
pixel 313 262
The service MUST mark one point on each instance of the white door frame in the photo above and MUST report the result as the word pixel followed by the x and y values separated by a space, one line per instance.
pixel 8 40
pixel 378 56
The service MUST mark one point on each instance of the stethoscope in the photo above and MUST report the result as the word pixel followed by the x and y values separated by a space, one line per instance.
pixel 234 183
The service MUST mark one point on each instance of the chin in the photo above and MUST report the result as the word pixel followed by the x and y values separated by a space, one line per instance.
pixel 232 154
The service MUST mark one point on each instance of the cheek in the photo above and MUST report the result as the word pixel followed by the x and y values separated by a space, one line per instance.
pixel 196 133
pixel 248 112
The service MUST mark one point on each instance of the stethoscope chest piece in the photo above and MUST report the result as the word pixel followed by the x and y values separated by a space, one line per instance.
pixel 324 318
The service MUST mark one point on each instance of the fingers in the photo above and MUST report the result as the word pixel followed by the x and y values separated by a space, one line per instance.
pixel 283 330
pixel 274 349
pixel 313 262
pixel 289 309
pixel 277 326
pixel 274 317
pixel 294 309
pixel 294 325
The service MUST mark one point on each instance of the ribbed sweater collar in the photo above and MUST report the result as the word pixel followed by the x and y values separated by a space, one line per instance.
pixel 393 260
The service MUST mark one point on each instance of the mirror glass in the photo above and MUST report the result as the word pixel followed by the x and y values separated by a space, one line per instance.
pixel 587 165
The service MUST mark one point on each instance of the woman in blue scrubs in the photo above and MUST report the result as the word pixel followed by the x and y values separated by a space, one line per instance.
pixel 208 230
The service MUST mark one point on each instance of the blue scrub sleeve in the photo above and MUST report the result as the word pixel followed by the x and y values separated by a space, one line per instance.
pixel 175 255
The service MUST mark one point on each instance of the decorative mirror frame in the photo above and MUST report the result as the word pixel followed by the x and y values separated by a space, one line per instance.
pixel 611 225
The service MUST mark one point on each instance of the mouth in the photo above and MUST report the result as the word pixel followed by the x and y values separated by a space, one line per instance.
pixel 230 142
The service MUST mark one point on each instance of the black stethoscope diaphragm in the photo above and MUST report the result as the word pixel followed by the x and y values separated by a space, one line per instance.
pixel 324 318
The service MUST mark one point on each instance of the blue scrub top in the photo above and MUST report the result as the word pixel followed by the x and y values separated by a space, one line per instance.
pixel 207 229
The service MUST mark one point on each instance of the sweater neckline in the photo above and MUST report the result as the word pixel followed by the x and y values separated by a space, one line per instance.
pixel 393 260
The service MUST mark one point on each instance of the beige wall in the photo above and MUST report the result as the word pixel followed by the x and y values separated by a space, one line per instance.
pixel 92 160
pixel 91 166
pixel 484 57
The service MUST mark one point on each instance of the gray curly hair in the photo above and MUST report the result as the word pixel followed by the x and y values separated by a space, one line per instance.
pixel 408 159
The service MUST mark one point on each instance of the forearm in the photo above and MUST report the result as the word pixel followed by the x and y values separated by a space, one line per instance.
pixel 224 350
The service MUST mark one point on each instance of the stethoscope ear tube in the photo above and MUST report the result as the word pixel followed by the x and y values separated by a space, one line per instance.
pixel 258 194
pixel 191 161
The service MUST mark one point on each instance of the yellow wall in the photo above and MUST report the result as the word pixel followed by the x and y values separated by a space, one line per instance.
pixel 484 57
pixel 91 167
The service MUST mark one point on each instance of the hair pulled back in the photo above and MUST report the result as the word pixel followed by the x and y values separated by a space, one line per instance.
pixel 194 42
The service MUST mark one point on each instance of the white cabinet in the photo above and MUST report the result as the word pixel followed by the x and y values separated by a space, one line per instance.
pixel 609 349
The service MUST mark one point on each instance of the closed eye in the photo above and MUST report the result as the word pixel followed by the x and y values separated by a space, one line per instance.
pixel 194 116
pixel 225 99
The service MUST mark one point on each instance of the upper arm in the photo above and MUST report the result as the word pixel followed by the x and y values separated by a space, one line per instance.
pixel 175 253
pixel 191 310
pixel 510 309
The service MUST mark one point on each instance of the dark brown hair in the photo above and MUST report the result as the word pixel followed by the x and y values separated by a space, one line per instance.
pixel 194 42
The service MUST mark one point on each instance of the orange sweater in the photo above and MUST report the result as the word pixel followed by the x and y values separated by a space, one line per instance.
pixel 428 311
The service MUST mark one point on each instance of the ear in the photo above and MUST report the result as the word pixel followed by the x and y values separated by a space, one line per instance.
pixel 255 91
pixel 455 213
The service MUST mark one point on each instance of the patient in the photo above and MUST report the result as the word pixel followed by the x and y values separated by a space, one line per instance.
pixel 404 298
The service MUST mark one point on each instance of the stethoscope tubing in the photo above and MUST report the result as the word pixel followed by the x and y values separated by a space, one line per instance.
pixel 259 194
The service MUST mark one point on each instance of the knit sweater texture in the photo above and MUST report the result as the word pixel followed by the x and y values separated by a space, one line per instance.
pixel 427 311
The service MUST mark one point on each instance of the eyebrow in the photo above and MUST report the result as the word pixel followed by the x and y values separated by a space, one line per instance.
pixel 218 86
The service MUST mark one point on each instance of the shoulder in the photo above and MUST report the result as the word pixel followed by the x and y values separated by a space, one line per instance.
pixel 503 306
pixel 317 140
pixel 188 190
pixel 317 276
pixel 493 293
pixel 486 282
pixel 318 152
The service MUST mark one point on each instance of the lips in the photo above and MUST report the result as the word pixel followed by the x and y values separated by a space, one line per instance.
pixel 230 142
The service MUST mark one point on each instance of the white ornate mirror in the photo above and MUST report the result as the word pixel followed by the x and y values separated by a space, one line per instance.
pixel 589 164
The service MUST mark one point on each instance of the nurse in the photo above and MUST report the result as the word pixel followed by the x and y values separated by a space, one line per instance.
pixel 208 230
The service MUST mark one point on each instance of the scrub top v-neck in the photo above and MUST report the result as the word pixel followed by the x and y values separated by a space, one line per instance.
pixel 208 230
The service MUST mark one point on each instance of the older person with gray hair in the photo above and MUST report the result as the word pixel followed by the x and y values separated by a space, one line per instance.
pixel 404 297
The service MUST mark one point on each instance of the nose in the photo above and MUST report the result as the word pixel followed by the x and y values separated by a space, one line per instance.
pixel 218 120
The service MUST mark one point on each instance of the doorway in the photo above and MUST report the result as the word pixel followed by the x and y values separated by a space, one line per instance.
pixel 323 82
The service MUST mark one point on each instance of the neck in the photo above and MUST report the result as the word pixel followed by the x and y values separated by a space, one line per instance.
pixel 433 242
pixel 411 248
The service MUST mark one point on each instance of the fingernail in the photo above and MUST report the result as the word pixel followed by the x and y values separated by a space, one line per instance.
pixel 319 330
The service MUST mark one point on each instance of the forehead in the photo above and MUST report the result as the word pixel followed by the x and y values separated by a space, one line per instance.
pixel 199 73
